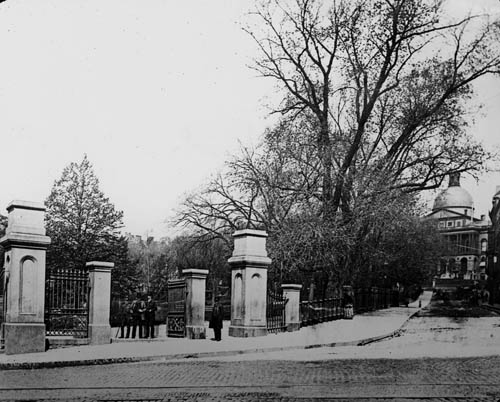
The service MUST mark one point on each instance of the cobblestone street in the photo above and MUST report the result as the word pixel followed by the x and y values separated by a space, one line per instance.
pixel 360 373
pixel 381 379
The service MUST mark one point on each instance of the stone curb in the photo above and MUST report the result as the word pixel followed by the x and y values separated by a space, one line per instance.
pixel 135 359
pixel 182 356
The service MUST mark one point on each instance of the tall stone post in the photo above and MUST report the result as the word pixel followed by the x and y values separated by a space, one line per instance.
pixel 195 302
pixel 25 246
pixel 99 301
pixel 249 264
pixel 292 307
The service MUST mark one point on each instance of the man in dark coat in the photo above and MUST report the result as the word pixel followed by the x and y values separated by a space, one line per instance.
pixel 150 317
pixel 142 317
pixel 138 310
pixel 216 319
pixel 125 318
pixel 348 302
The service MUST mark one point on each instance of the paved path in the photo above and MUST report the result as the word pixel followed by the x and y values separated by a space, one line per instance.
pixel 470 379
pixel 426 335
pixel 363 328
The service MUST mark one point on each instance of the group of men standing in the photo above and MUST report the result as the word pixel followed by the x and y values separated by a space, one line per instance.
pixel 138 313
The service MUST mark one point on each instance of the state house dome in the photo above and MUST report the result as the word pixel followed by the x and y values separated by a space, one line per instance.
pixel 454 196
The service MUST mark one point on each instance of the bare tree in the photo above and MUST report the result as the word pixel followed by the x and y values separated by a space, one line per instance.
pixel 375 93
pixel 207 253
pixel 259 187
pixel 278 188
pixel 385 81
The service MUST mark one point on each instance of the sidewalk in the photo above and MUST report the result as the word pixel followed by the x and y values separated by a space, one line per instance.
pixel 363 329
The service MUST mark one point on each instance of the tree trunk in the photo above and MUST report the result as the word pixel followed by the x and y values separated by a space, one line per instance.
pixel 325 151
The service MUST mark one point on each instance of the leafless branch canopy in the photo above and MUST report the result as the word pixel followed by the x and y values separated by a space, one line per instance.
pixel 385 80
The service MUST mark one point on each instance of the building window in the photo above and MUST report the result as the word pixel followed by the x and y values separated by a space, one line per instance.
pixel 449 224
pixel 484 245
pixel 458 224
pixel 441 224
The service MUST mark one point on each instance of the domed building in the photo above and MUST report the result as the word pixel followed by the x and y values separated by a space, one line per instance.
pixel 465 237
pixel 454 198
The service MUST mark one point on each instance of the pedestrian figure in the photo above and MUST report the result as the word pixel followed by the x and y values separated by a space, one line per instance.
pixel 138 309
pixel 124 318
pixel 150 317
pixel 485 296
pixel 474 298
pixel 216 319
pixel 130 318
pixel 133 314
pixel 348 302
pixel 141 309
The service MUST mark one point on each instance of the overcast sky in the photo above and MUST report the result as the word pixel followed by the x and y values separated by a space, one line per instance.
pixel 157 93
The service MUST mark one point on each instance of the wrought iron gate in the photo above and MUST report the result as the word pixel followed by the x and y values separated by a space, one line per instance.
pixel 67 302
pixel 275 312
pixel 176 314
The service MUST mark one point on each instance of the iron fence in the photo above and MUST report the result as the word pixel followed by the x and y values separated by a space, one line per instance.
pixel 369 299
pixel 66 302
pixel 275 312
pixel 316 311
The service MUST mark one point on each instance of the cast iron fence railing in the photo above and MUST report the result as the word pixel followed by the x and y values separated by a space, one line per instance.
pixel 369 299
pixel 316 311
pixel 275 312
pixel 67 302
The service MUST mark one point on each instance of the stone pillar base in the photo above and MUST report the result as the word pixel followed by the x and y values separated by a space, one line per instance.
pixel 293 327
pixel 195 332
pixel 247 332
pixel 24 338
pixel 99 334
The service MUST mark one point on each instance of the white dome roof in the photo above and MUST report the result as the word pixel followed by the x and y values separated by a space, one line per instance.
pixel 453 197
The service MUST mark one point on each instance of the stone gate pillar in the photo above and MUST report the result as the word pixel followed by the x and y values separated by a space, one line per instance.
pixel 249 264
pixel 25 246
pixel 292 307
pixel 195 302
pixel 99 301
